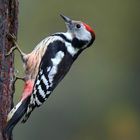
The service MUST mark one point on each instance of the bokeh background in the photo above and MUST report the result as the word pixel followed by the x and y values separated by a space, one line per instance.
pixel 99 99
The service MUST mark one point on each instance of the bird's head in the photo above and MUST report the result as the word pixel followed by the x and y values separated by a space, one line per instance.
pixel 82 34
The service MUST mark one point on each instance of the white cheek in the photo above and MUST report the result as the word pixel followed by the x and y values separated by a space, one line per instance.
pixel 83 34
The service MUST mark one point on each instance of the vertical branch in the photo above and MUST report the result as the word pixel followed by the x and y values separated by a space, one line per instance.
pixel 8 24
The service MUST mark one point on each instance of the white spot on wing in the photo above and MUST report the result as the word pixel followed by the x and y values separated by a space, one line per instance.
pixel 56 60
pixel 48 92
pixel 38 82
pixel 52 72
pixel 58 57
pixel 32 100
pixel 45 81
pixel 48 69
pixel 37 101
pixel 41 71
pixel 41 92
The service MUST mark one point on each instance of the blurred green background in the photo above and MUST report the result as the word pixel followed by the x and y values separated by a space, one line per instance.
pixel 99 99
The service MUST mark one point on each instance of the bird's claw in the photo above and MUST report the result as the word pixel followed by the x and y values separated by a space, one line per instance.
pixel 15 47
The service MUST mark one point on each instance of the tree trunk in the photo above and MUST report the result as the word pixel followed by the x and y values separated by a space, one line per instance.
pixel 8 25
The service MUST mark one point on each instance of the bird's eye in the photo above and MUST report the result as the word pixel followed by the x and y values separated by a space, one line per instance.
pixel 78 26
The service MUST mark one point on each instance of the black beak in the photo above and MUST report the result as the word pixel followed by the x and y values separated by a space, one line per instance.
pixel 66 19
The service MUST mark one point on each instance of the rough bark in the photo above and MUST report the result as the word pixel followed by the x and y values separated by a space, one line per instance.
pixel 8 24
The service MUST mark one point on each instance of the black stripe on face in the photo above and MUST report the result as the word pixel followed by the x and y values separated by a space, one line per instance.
pixel 78 43
pixel 63 37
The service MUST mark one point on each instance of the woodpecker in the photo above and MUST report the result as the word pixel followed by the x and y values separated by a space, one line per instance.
pixel 47 65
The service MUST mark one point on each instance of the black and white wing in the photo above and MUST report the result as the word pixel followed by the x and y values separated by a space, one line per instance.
pixel 55 63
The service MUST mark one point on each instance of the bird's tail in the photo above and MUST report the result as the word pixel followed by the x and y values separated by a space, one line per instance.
pixel 15 115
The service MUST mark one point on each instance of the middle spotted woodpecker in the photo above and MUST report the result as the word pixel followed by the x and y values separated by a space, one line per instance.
pixel 47 65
